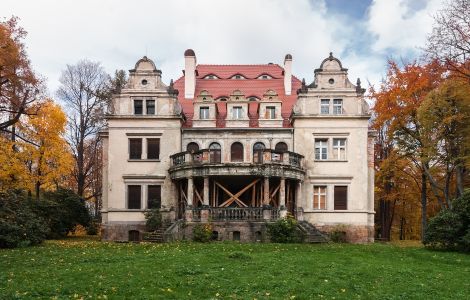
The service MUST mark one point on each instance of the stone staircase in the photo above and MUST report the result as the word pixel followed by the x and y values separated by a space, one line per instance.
pixel 313 235
pixel 157 236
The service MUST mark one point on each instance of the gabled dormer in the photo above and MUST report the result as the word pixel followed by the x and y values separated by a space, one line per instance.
pixel 145 95
pixel 331 94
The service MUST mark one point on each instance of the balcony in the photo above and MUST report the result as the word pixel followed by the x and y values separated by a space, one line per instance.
pixel 209 162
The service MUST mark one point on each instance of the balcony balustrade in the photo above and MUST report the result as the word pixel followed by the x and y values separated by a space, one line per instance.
pixel 235 213
pixel 210 156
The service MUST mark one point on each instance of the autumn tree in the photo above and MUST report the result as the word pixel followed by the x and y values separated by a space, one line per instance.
pixel 396 107
pixel 445 117
pixel 84 90
pixel 19 85
pixel 449 41
pixel 49 158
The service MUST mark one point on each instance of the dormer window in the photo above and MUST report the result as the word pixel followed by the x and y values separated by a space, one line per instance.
pixel 264 76
pixel 237 112
pixel 238 76
pixel 204 113
pixel 270 112
pixel 211 76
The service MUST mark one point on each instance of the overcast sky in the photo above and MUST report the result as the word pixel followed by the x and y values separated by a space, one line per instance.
pixel 361 33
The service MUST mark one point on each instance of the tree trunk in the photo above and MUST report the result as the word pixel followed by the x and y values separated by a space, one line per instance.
pixel 460 174
pixel 423 205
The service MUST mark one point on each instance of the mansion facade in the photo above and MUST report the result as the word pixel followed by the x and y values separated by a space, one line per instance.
pixel 238 146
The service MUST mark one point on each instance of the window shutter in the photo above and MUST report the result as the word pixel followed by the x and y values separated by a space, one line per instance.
pixel 135 148
pixel 341 197
pixel 153 148
pixel 133 197
pixel 154 196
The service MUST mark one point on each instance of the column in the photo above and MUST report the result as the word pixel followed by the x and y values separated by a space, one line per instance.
pixel 189 204
pixel 206 191
pixel 298 201
pixel 282 198
pixel 266 207
pixel 266 192
pixel 205 200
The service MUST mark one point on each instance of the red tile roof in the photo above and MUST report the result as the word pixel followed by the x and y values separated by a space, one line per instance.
pixel 251 86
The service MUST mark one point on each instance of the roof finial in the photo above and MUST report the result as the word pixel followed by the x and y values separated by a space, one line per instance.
pixel 331 55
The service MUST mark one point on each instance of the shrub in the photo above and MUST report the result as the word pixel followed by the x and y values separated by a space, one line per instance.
pixel 202 233
pixel 92 229
pixel 19 224
pixel 153 219
pixel 450 228
pixel 62 210
pixel 285 230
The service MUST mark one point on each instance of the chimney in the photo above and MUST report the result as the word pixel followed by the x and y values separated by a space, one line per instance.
pixel 189 73
pixel 288 74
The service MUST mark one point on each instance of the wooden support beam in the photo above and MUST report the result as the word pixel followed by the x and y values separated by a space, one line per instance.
pixel 232 197
pixel 253 195
pixel 198 196
pixel 183 194
pixel 238 194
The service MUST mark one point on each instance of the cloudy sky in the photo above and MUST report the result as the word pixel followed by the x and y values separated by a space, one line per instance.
pixel 362 33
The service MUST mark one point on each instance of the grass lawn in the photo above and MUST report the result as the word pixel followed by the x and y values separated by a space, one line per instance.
pixel 84 268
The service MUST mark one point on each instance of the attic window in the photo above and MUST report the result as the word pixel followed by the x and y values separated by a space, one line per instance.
pixel 238 76
pixel 264 76
pixel 211 76
pixel 144 82
pixel 331 81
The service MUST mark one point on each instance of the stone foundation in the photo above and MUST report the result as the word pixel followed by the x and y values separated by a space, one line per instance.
pixel 245 232
pixel 357 234
pixel 120 231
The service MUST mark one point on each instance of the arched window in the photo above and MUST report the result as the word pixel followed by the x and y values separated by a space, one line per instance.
pixel 192 147
pixel 258 152
pixel 281 147
pixel 236 152
pixel 215 152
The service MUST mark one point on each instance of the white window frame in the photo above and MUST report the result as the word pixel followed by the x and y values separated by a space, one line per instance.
pixel 237 112
pixel 317 192
pixel 338 107
pixel 271 112
pixel 324 105
pixel 206 114
pixel 323 146
pixel 337 148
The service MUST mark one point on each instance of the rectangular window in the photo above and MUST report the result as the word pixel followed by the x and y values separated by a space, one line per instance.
pixel 150 107
pixel 204 113
pixel 133 196
pixel 135 148
pixel 321 149
pixel 237 112
pixel 339 149
pixel 270 112
pixel 319 197
pixel 153 148
pixel 138 107
pixel 341 197
pixel 325 107
pixel 154 196
pixel 337 106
